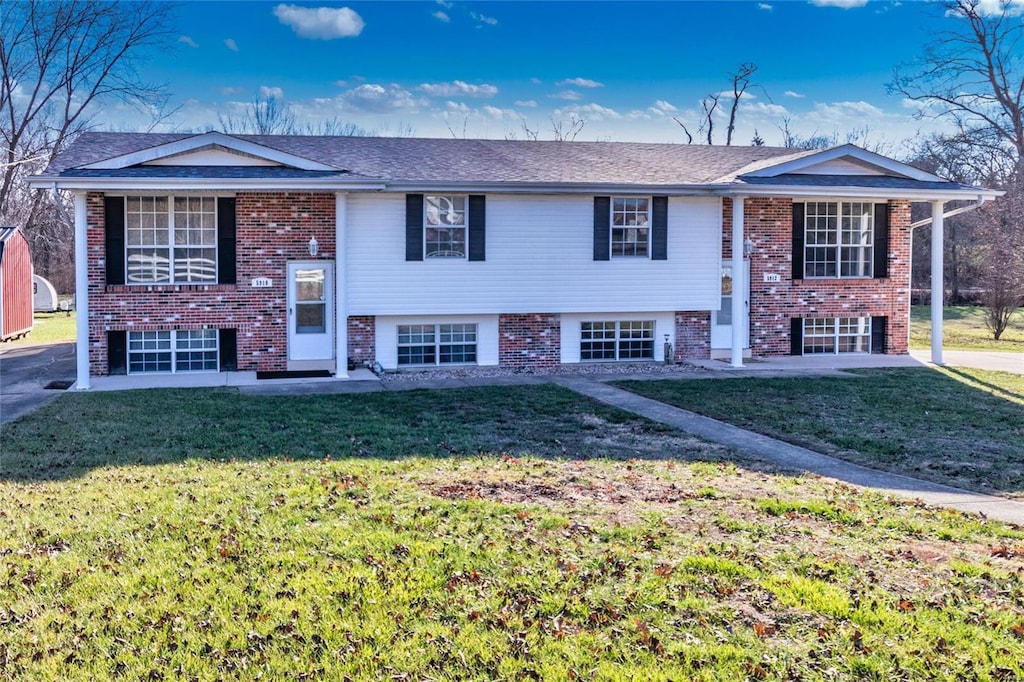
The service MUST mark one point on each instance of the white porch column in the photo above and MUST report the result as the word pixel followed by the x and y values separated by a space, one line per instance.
pixel 938 286
pixel 82 291
pixel 340 303
pixel 737 282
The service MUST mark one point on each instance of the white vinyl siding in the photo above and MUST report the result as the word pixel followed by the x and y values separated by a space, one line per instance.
pixel 539 259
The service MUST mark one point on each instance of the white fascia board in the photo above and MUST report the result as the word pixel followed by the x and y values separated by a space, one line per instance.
pixel 854 153
pixel 803 192
pixel 202 140
pixel 211 184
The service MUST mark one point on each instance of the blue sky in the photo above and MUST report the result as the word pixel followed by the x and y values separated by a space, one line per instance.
pixel 483 68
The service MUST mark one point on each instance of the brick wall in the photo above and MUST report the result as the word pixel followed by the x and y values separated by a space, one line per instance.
pixel 531 340
pixel 362 339
pixel 272 229
pixel 693 336
pixel 768 222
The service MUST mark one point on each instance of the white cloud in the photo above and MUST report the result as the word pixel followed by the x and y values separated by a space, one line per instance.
pixel 442 16
pixel 490 21
pixel 843 4
pixel 188 41
pixel 320 23
pixel 793 94
pixel 456 107
pixel 231 44
pixel 580 83
pixel 531 103
pixel 228 91
pixel 570 95
pixel 493 112
pixel 765 6
pixel 663 107
pixel 988 8
pixel 536 81
pixel 763 109
pixel 379 99
pixel 445 4
pixel 846 110
pixel 589 112
pixel 458 88
pixel 267 92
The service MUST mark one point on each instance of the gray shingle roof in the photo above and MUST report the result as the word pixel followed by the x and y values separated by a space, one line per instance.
pixel 859 181
pixel 451 160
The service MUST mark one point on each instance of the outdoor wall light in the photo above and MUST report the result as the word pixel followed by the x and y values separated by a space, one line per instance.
pixel 748 248
pixel 313 246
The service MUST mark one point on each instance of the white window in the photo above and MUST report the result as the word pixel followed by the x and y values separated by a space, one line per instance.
pixel 444 226
pixel 610 340
pixel 436 344
pixel 838 239
pixel 171 239
pixel 837 335
pixel 631 226
pixel 173 351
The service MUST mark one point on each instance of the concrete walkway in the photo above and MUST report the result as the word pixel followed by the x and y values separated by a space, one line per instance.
pixel 977 359
pixel 795 457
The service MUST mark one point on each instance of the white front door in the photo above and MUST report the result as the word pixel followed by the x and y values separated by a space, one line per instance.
pixel 310 311
pixel 721 319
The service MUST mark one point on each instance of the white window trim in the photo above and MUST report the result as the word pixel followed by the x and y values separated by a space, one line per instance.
pixel 170 281
pixel 464 227
pixel 437 345
pixel 839 237
pixel 619 339
pixel 835 336
pixel 611 228
pixel 173 351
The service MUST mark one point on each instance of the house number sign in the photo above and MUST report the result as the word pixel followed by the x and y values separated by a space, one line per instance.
pixel 262 282
pixel 772 277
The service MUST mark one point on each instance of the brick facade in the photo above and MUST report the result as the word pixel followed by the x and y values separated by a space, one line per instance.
pixel 532 340
pixel 768 222
pixel 272 229
pixel 693 336
pixel 362 339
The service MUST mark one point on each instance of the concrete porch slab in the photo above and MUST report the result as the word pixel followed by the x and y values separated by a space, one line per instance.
pixel 244 381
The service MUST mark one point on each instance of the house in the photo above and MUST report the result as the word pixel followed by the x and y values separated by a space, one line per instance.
pixel 220 253
pixel 15 284
pixel 44 296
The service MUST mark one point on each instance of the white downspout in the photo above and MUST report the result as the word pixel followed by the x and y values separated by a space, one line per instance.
pixel 738 282
pixel 340 303
pixel 938 285
pixel 81 290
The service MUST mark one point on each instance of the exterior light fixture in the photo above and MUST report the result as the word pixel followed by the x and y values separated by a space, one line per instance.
pixel 748 248
pixel 313 246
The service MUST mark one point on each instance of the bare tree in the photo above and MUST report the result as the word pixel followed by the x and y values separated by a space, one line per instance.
pixel 973 76
pixel 741 83
pixel 566 131
pixel 60 61
pixel 264 115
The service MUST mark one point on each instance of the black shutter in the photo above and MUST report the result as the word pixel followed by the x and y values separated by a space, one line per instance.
pixel 413 227
pixel 602 228
pixel 228 350
pixel 878 325
pixel 477 226
pixel 798 240
pixel 881 241
pixel 226 243
pixel 659 228
pixel 796 336
pixel 117 352
pixel 113 228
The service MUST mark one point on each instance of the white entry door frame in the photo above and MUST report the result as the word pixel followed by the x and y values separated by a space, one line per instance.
pixel 310 315
pixel 721 319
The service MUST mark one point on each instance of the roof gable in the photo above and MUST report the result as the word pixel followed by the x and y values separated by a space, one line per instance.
pixel 846 159
pixel 209 149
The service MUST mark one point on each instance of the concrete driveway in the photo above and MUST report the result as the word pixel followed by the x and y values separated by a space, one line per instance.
pixel 26 370
pixel 978 359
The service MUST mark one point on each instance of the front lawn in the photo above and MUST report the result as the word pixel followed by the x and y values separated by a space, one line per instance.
pixel 963 328
pixel 58 327
pixel 206 535
pixel 963 427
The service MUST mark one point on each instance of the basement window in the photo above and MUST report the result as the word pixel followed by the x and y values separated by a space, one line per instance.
pixel 173 351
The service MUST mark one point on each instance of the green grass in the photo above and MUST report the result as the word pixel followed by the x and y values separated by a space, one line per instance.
pixel 58 327
pixel 964 427
pixel 209 535
pixel 963 328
